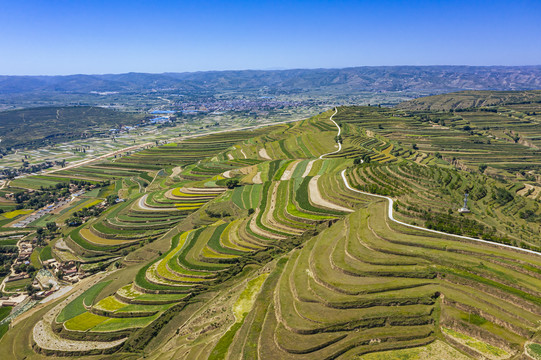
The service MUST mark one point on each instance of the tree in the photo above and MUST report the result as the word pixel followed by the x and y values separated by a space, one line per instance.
pixel 111 199
pixel 232 183
pixel 51 226
pixel 366 159
pixel 502 196
pixel 31 290
pixel 73 221
pixel 357 161
pixel 482 168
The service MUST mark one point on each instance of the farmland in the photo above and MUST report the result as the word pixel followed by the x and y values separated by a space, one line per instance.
pixel 269 243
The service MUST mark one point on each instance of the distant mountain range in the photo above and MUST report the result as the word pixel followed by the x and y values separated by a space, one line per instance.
pixel 433 79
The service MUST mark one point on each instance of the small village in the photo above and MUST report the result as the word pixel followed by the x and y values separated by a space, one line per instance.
pixel 34 279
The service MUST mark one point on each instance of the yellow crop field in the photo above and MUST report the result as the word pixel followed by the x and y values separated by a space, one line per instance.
pixel 90 236
pixel 181 207
pixel 179 193
pixel 14 213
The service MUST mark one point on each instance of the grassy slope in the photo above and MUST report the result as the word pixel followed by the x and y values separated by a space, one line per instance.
pixel 468 99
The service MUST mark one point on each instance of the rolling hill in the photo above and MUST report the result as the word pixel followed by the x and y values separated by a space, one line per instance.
pixel 302 258
pixel 47 125
pixel 471 99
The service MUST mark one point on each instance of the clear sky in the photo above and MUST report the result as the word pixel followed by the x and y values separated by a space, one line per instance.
pixel 94 36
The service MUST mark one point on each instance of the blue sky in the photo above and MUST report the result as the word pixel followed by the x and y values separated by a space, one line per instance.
pixel 94 36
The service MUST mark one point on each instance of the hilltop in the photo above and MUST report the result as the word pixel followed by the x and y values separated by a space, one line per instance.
pixel 471 99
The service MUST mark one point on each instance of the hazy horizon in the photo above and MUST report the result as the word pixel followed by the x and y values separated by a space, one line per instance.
pixel 269 69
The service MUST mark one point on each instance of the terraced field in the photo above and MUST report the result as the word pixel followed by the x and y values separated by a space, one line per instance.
pixel 368 286
pixel 198 259
pixel 443 188
pixel 252 245
pixel 504 137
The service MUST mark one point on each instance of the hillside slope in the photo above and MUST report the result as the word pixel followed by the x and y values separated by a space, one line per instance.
pixel 45 125
pixel 293 261
pixel 470 99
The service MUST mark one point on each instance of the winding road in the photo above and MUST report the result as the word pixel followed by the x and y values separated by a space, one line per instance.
pixel 339 131
pixel 390 214
pixel 391 202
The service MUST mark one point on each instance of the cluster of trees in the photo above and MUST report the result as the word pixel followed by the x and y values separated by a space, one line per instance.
pixel 6 258
pixel 38 199
pixel 364 160
pixel 49 231
pixel 232 183
pixel 217 214
pixel 502 196
pixel 434 119
pixel 78 217
pixel 47 195
pixel 482 168
pixel 529 215
pixel 26 168
pixel 28 268
pixel 460 225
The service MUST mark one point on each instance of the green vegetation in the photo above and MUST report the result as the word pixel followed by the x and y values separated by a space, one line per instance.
pixel 17 285
pixel 46 125
pixel 5 311
pixel 435 350
pixel 15 213
pixel 35 258
pixel 4 329
pixel 247 297
pixel 480 346
pixel 247 245
pixel 465 100
pixel 77 306
pixel 535 350
pixel 46 253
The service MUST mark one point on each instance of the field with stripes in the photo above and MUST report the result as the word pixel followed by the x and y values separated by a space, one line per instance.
pixel 267 244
